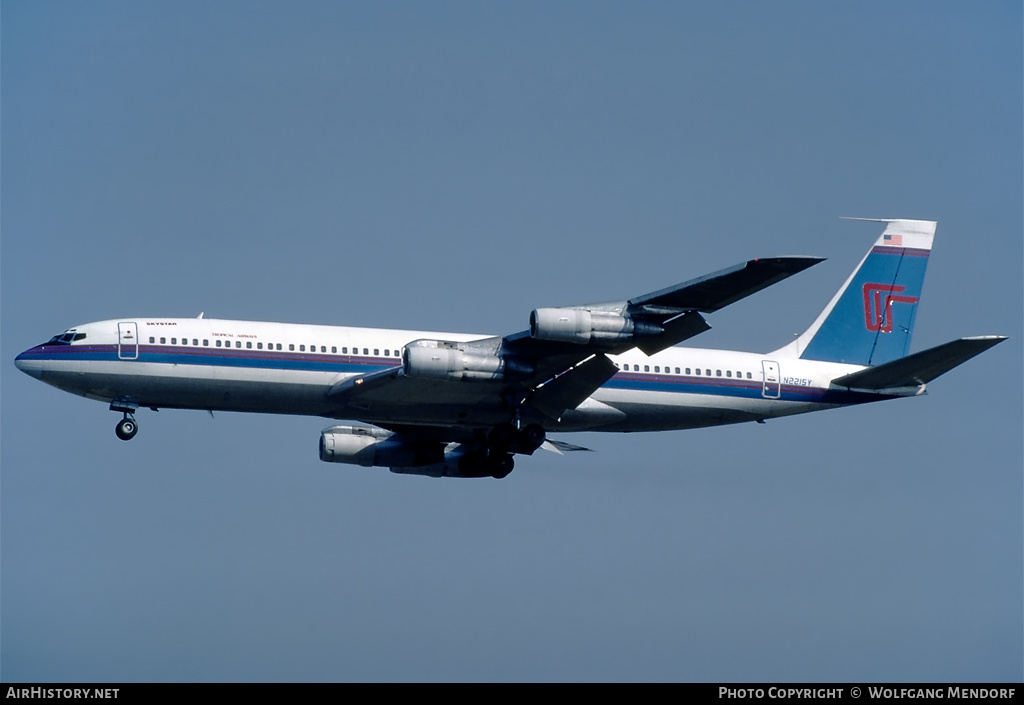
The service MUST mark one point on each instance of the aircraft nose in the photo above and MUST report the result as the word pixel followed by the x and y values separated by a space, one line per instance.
pixel 26 364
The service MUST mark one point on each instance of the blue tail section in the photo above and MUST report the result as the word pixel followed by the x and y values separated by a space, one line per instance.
pixel 871 319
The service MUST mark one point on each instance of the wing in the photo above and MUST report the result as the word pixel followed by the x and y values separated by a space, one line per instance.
pixel 535 375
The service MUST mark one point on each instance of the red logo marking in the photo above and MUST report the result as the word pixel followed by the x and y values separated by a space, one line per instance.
pixel 878 310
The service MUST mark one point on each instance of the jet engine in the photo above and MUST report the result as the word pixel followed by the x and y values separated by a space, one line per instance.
pixel 580 326
pixel 375 447
pixel 457 362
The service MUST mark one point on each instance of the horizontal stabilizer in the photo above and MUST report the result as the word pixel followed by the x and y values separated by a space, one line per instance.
pixel 921 367
pixel 714 291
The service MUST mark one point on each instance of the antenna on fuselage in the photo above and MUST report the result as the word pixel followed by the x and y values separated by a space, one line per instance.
pixel 200 314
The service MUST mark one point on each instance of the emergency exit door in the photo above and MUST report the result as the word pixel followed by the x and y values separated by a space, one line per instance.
pixel 772 382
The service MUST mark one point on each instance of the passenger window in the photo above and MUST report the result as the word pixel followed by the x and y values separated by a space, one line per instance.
pixel 365 351
pixel 708 372
pixel 302 348
pixel 376 351
pixel 677 370
pixel 152 339
pixel 218 342
pixel 163 341
pixel 344 351
pixel 238 343
pixel 248 344
pixel 206 342
pixel 657 368
pixel 748 375
pixel 636 368
pixel 728 373
pixel 698 370
pixel 387 353
pixel 195 341
pixel 259 346
pixel 291 346
pixel 334 348
pixel 687 370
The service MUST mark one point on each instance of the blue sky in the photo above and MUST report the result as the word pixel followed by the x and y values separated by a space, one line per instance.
pixel 451 166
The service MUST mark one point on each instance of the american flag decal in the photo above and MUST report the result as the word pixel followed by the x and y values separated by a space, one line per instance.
pixel 893 240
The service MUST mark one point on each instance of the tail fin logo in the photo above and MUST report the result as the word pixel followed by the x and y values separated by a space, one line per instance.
pixel 878 301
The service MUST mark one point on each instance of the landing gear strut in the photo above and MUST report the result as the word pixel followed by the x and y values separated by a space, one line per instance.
pixel 509 437
pixel 127 427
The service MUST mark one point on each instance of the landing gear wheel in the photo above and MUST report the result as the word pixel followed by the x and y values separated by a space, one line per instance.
pixel 126 428
pixel 534 435
pixel 502 465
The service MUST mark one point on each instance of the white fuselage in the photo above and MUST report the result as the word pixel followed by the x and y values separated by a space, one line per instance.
pixel 210 364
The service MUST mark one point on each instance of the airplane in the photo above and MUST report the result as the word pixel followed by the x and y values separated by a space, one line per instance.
pixel 459 405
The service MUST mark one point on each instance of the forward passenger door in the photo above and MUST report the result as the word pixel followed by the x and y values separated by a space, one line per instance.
pixel 127 340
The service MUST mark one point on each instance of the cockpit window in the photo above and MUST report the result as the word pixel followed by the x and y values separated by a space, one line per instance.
pixel 65 338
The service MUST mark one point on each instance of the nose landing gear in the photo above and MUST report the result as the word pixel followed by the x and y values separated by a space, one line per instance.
pixel 127 427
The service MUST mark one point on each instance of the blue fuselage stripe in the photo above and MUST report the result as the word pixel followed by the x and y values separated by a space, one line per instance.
pixel 271 360
pixel 315 362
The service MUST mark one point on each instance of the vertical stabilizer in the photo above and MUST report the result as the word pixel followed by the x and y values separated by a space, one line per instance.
pixel 870 319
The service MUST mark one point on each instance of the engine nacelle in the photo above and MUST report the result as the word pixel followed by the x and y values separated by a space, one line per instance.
pixel 458 462
pixel 449 466
pixel 580 326
pixel 375 447
pixel 439 359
